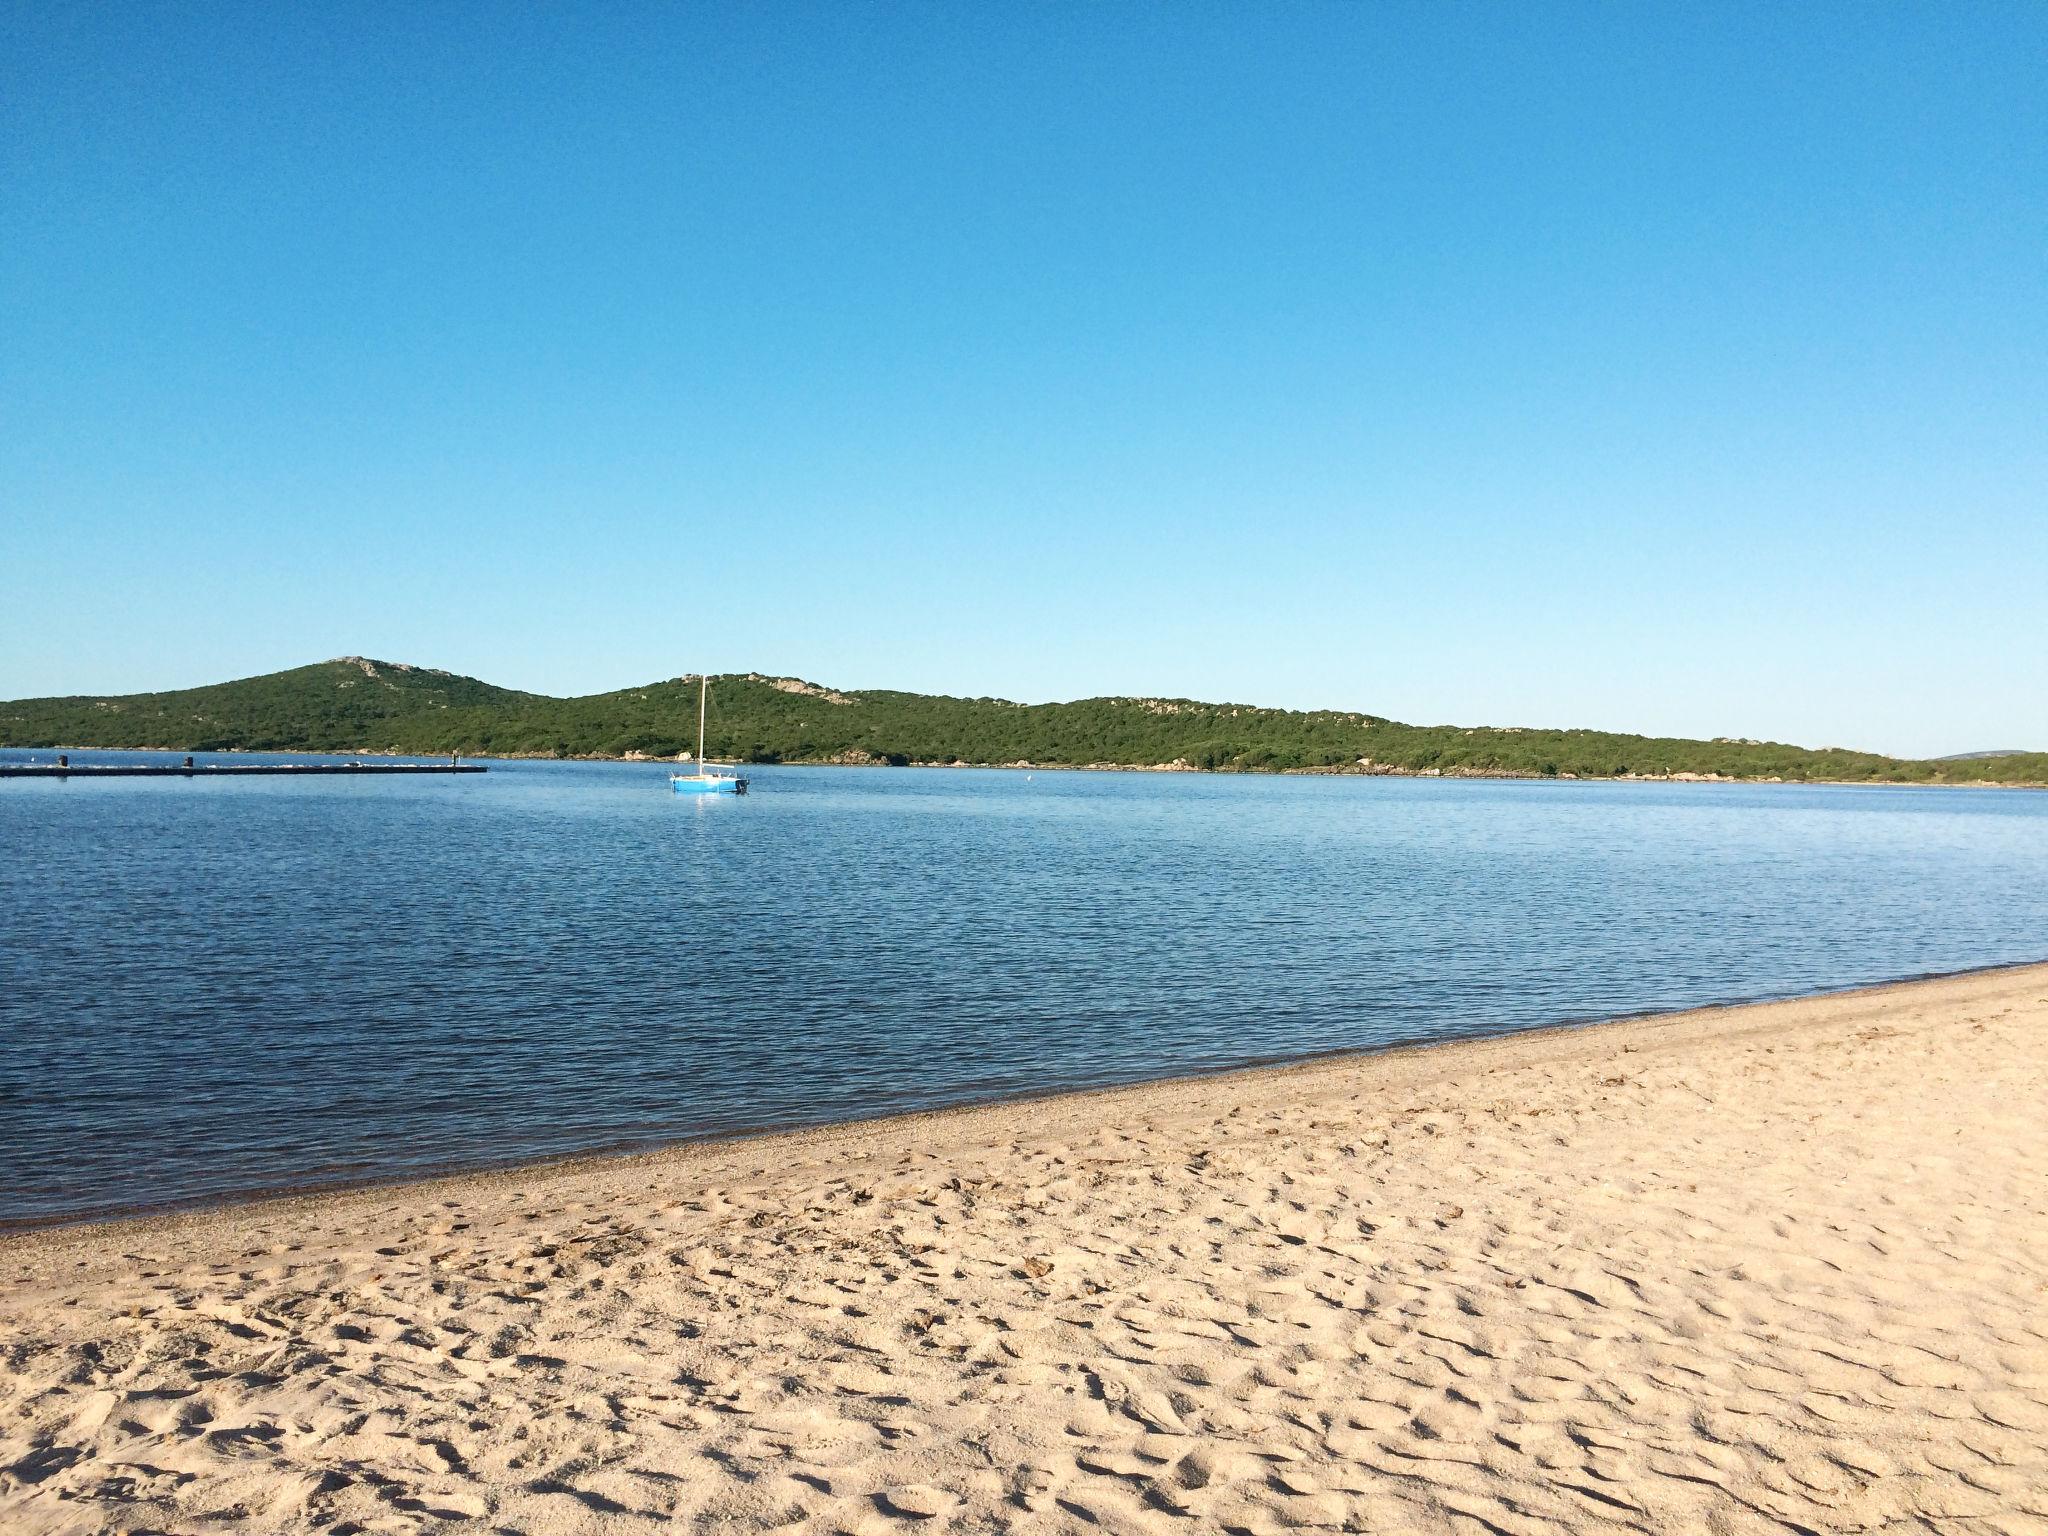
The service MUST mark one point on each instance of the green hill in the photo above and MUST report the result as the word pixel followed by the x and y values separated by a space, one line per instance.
pixel 357 705
pixel 332 706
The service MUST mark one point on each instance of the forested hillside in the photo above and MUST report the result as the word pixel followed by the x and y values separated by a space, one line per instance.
pixel 357 705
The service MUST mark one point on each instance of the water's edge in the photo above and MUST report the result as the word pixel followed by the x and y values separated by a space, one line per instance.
pixel 1339 771
pixel 144 1216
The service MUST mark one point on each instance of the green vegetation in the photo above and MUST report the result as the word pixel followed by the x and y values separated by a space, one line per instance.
pixel 353 705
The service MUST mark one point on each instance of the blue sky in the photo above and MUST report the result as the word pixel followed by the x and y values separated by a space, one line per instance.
pixel 1681 369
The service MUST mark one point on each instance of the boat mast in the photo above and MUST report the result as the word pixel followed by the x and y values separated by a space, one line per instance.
pixel 703 693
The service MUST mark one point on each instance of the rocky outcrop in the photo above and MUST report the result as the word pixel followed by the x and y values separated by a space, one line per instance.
pixel 798 685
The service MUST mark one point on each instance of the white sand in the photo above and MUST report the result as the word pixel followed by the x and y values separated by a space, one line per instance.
pixel 1772 1269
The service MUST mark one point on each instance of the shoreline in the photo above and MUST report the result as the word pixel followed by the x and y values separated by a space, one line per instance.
pixel 1338 771
pixel 1763 1267
pixel 618 1159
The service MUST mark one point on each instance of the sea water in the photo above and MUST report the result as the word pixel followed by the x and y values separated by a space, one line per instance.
pixel 215 988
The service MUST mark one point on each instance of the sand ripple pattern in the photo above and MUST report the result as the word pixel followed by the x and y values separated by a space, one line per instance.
pixel 1781 1269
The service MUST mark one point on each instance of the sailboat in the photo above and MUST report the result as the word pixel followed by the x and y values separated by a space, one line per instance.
pixel 704 782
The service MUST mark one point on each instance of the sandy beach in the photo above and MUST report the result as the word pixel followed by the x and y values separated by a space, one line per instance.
pixel 1779 1268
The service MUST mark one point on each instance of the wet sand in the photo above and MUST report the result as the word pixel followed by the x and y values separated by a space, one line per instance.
pixel 1781 1268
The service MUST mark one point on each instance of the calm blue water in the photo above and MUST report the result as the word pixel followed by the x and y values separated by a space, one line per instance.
pixel 215 988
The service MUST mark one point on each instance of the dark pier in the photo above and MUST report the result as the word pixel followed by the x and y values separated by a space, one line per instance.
pixel 219 771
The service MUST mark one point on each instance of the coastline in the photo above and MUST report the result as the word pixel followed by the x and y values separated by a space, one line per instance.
pixel 598 1160
pixel 1773 1263
pixel 1338 771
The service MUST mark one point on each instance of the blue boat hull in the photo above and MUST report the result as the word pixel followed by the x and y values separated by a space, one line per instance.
pixel 717 785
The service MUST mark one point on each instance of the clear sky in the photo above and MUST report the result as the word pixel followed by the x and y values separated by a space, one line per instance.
pixel 1657 367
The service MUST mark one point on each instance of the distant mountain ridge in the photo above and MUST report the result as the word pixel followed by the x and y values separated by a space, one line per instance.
pixel 357 704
